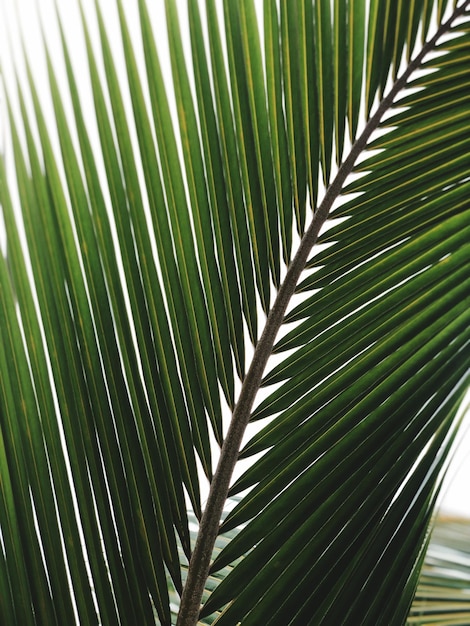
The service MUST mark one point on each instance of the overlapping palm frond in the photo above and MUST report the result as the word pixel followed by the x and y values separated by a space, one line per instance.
pixel 157 251
pixel 443 594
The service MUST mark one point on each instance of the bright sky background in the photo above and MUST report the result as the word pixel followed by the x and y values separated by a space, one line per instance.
pixel 456 498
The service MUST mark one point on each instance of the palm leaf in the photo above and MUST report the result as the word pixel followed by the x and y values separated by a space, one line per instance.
pixel 142 259
pixel 442 596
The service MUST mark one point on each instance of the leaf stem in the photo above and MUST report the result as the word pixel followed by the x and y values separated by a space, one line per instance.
pixel 210 521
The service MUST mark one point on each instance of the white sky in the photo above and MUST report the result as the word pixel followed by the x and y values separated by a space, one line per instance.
pixel 456 499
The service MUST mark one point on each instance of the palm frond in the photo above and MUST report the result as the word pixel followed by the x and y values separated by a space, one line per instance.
pixel 142 261
pixel 443 593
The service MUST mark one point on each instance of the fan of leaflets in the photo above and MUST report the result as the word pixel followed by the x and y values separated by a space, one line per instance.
pixel 443 594
pixel 140 263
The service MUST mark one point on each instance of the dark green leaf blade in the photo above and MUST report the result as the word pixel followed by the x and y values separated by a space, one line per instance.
pixel 280 148
pixel 324 61
pixel 201 219
pixel 217 190
pixel 234 188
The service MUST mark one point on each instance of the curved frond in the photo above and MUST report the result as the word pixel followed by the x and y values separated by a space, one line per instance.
pixel 259 247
